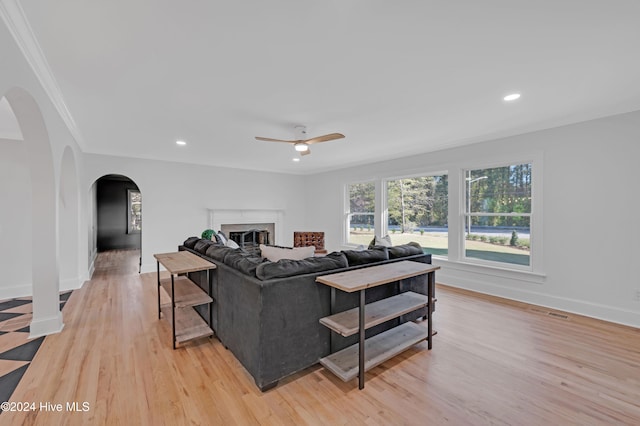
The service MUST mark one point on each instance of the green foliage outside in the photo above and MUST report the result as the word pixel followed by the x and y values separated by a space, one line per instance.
pixel 418 202
pixel 501 190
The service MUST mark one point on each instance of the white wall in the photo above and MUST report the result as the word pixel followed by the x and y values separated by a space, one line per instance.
pixel 15 220
pixel 46 136
pixel 590 215
pixel 176 197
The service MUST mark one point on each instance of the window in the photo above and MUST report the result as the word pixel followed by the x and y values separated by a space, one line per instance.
pixel 361 213
pixel 417 210
pixel 134 211
pixel 498 214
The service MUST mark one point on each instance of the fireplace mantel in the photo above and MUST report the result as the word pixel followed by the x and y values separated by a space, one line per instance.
pixel 219 217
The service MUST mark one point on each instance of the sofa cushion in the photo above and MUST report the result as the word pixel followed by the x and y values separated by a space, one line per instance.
pixel 218 252
pixel 375 254
pixel 274 254
pixel 405 250
pixel 191 242
pixel 288 267
pixel 202 246
pixel 243 261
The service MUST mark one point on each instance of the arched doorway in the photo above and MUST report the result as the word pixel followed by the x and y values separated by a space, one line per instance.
pixel 118 214
pixel 68 222
pixel 47 317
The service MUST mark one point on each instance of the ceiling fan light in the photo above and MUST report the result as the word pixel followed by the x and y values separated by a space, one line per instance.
pixel 301 147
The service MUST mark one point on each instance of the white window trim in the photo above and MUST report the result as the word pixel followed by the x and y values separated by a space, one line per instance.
pixel 346 219
pixel 536 264
pixel 384 217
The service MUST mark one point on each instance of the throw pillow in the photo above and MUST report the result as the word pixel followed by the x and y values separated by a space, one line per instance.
pixel 384 241
pixel 232 244
pixel 223 238
pixel 276 253
pixel 378 241
pixel 208 234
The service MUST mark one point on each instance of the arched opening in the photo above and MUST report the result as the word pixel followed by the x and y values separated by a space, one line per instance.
pixel 15 214
pixel 68 221
pixel 42 229
pixel 118 215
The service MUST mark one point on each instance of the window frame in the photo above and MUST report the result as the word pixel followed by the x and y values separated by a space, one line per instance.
pixel 535 223
pixel 385 202
pixel 130 229
pixel 347 209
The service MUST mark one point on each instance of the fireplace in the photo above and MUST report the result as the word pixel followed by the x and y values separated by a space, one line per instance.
pixel 243 221
pixel 250 240
pixel 249 236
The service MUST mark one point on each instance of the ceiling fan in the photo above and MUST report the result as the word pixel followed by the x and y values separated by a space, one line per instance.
pixel 302 143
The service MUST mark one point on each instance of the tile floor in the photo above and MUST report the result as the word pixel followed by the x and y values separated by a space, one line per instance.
pixel 16 349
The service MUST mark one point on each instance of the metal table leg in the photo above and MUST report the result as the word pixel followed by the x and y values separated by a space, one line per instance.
pixel 361 343
pixel 173 312
pixel 158 265
pixel 430 295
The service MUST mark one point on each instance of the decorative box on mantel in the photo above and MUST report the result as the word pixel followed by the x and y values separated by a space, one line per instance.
pixel 271 220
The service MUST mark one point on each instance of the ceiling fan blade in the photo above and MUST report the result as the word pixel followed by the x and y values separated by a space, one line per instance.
pixel 273 140
pixel 307 152
pixel 325 138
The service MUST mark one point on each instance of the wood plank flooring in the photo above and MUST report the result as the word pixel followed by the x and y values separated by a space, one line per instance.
pixel 493 362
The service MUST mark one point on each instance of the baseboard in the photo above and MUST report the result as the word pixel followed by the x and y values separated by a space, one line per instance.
pixel 148 267
pixel 92 268
pixel 45 326
pixel 16 291
pixel 580 307
pixel 70 284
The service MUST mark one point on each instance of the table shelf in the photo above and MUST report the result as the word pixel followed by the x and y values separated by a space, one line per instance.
pixel 347 323
pixel 378 349
pixel 189 325
pixel 183 295
pixel 186 292
pixel 355 360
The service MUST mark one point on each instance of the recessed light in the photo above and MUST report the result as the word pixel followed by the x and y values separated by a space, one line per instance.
pixel 296 160
pixel 181 143
pixel 512 97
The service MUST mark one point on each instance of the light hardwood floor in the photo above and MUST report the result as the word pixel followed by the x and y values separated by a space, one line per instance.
pixel 493 362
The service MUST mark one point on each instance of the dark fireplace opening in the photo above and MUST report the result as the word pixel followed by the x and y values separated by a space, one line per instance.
pixel 249 236
pixel 250 239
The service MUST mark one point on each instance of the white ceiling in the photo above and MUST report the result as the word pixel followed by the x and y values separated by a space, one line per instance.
pixel 397 78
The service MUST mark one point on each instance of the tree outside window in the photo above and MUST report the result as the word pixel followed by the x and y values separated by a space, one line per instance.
pixel 361 214
pixel 418 211
pixel 498 214
pixel 134 211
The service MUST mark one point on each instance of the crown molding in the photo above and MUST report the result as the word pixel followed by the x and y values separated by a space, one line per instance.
pixel 14 18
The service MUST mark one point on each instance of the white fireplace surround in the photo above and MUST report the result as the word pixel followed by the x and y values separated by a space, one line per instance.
pixel 219 217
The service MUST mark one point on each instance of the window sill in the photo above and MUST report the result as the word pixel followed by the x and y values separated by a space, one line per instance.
pixel 490 270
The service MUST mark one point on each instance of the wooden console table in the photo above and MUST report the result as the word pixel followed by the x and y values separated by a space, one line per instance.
pixel 186 323
pixel 355 360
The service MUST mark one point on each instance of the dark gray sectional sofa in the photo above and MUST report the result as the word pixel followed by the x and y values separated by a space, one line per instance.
pixel 267 313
